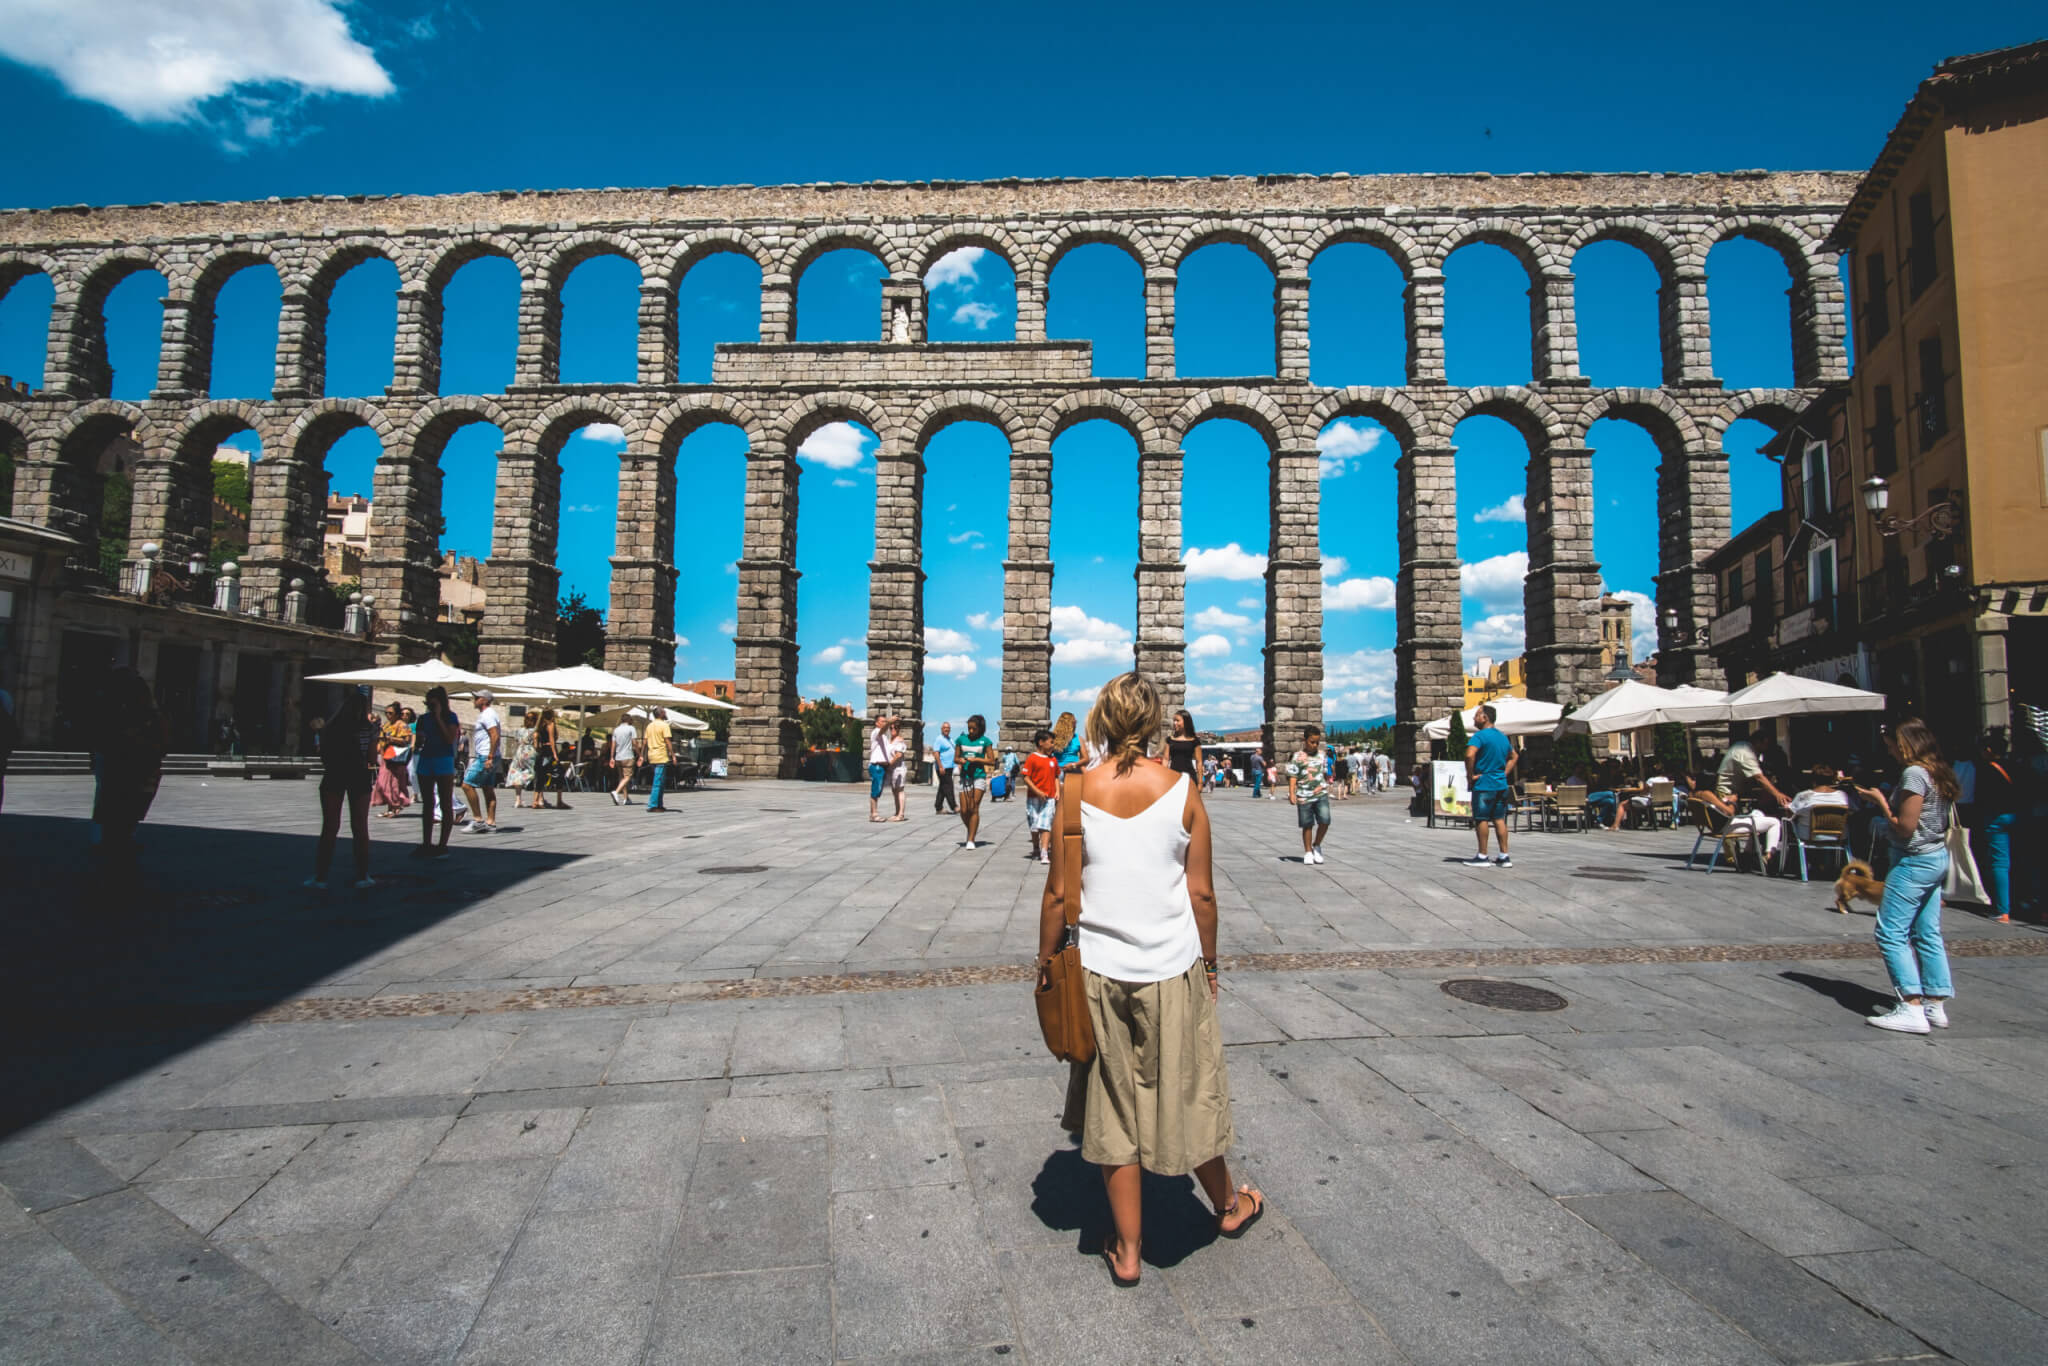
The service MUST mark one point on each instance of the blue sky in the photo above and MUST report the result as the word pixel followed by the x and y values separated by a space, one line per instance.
pixel 303 96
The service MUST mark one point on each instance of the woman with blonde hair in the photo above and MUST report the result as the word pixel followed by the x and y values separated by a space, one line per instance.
pixel 1155 1097
pixel 1909 917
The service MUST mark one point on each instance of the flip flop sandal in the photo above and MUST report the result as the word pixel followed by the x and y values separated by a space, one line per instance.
pixel 1258 1200
pixel 1120 1282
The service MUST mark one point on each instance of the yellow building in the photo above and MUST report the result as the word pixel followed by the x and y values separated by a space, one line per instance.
pixel 1510 678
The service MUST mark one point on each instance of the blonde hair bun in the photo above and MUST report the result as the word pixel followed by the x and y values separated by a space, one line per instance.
pixel 1126 718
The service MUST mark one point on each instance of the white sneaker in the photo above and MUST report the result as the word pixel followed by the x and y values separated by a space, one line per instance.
pixel 362 883
pixel 968 845
pixel 1479 861
pixel 475 827
pixel 1319 853
pixel 1503 862
pixel 1903 1019
pixel 315 883
pixel 1937 1013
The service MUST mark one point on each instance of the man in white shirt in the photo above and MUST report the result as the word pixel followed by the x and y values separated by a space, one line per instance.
pixel 1822 793
pixel 480 782
pixel 623 736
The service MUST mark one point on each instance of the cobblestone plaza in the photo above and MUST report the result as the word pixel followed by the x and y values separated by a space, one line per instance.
pixel 601 1089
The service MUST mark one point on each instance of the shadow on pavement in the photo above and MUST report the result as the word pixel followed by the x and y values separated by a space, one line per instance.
pixel 1067 1194
pixel 104 980
pixel 1848 995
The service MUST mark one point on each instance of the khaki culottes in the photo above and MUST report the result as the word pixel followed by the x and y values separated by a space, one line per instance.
pixel 1156 1094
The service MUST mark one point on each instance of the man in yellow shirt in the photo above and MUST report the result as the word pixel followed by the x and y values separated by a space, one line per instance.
pixel 658 743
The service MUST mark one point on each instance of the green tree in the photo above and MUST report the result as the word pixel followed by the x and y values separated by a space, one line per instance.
pixel 1671 750
pixel 827 724
pixel 720 723
pixel 230 539
pixel 579 632
pixel 117 498
pixel 1574 754
pixel 231 485
pixel 1454 746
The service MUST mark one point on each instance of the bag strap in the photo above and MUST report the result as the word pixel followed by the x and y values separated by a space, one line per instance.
pixel 1070 846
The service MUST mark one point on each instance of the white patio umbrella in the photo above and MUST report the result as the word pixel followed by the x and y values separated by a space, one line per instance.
pixel 639 716
pixel 1634 705
pixel 1511 716
pixel 409 678
pixel 683 697
pixel 582 685
pixel 1790 695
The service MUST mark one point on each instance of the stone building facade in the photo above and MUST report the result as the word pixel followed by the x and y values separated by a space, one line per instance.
pixel 905 389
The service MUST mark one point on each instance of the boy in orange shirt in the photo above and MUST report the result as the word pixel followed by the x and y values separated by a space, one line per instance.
pixel 1041 786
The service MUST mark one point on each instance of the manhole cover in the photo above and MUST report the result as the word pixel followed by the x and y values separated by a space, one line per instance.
pixel 1483 991
pixel 724 868
pixel 1611 877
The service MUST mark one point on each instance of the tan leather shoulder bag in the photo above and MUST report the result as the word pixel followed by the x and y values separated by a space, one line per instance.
pixel 1061 993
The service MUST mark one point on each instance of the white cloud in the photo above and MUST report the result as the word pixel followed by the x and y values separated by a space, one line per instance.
pixel 1358 684
pixel 160 63
pixel 1340 444
pixel 1334 565
pixel 1497 581
pixel 605 433
pixel 842 482
pixel 836 446
pixel 955 268
pixel 728 627
pixel 1071 623
pixel 1225 694
pixel 1510 511
pixel 682 642
pixel 1078 697
pixel 1349 595
pixel 952 666
pixel 945 640
pixel 582 507
pixel 732 567
pixel 1216 619
pixel 1251 604
pixel 1642 622
pixel 995 663
pixel 976 314
pixel 1208 647
pixel 1499 636
pixel 1091 652
pixel 831 654
pixel 855 668
pixel 1232 562
pixel 963 538
pixel 985 621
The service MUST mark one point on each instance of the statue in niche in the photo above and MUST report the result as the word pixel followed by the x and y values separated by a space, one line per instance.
pixel 899 324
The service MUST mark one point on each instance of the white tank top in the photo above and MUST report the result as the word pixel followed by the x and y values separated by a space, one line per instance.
pixel 1137 922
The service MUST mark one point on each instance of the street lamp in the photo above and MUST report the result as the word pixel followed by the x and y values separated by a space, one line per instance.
pixel 1940 520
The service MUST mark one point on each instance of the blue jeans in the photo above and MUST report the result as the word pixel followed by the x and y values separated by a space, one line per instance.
pixel 1998 832
pixel 1258 781
pixel 654 793
pixel 1909 924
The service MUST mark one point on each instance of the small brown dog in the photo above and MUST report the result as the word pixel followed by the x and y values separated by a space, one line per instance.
pixel 1857 882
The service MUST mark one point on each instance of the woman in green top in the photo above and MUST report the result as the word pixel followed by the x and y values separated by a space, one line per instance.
pixel 977 754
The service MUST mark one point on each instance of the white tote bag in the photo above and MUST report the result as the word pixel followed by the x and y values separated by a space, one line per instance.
pixel 1964 883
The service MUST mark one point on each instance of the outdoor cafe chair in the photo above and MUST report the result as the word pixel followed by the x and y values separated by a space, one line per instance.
pixel 1712 824
pixel 1827 829
pixel 1570 804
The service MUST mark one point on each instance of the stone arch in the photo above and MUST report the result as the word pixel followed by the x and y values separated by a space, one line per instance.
pixel 990 236
pixel 813 411
pixel 1654 410
pixel 435 422
pixel 585 246
pixel 552 426
pixel 202 281
pixel 100 414
pixel 1121 235
pixel 440 267
pixel 1394 240
pixel 1249 406
pixel 16 266
pixel 711 242
pixel 1651 238
pixel 815 243
pixel 205 426
pixel 1517 237
pixel 1071 410
pixel 320 274
pixel 1390 408
pixel 1523 409
pixel 321 424
pixel 963 406
pixel 1773 407
pixel 1793 247
pixel 669 428
pixel 1244 232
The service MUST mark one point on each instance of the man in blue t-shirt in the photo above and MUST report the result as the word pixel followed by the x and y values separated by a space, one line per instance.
pixel 1489 759
pixel 942 767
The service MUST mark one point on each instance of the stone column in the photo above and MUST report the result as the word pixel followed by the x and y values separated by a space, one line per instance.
pixel 778 310
pixel 51 491
pixel 172 506
pixel 301 368
pixel 1027 596
pixel 1561 596
pixel 75 356
pixel 520 578
pixel 1683 330
pixel 657 332
pixel 1162 578
pixel 539 360
pixel 1294 600
pixel 896 591
pixel 1553 322
pixel 185 352
pixel 1423 304
pixel 766 735
pixel 404 551
pixel 903 313
pixel 1290 327
pixel 1429 631
pixel 1159 324
pixel 1693 513
pixel 1032 293
pixel 416 355
pixel 641 627
pixel 1820 349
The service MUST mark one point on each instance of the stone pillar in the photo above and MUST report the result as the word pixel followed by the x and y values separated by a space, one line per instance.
pixel 1159 324
pixel 416 357
pixel 1423 304
pixel 1683 330
pixel 766 735
pixel 1027 596
pixel 1554 323
pixel 1561 596
pixel 184 359
pixel 1693 514
pixel 172 506
pixel 301 346
pixel 640 636
pixel 903 310
pixel 1290 327
pixel 895 684
pixel 1294 600
pixel 75 356
pixel 520 578
pixel 1032 292
pixel 1162 578
pixel 539 360
pixel 1429 630
pixel 1820 348
pixel 657 332
pixel 778 310
pixel 404 552
pixel 53 492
